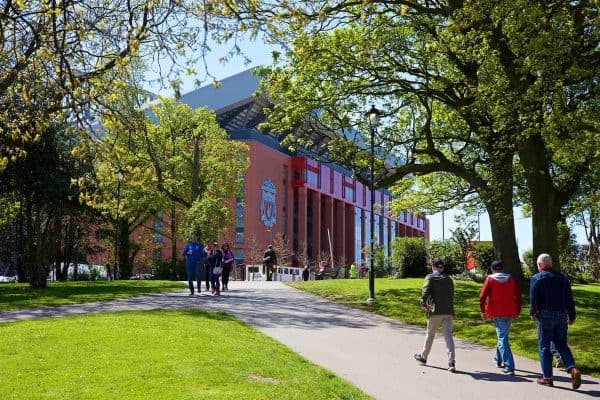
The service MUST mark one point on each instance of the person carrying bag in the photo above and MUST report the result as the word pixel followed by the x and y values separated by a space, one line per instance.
pixel 214 262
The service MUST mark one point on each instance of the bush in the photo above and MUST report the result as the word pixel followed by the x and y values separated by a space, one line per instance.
pixel 410 255
pixel 95 274
pixel 163 271
pixel 450 253
pixel 529 262
pixel 380 262
pixel 483 254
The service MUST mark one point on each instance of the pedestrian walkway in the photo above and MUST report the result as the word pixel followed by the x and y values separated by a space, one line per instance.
pixel 372 352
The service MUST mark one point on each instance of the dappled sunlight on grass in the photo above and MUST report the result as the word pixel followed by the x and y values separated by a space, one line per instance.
pixel 16 296
pixel 399 299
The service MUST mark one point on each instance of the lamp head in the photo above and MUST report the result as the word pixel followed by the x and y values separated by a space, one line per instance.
pixel 373 116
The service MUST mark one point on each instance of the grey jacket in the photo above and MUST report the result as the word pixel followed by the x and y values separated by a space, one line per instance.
pixel 438 292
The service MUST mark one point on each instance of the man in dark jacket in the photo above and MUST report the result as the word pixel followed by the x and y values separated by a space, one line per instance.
pixel 500 299
pixel 437 300
pixel 552 306
pixel 214 259
pixel 269 262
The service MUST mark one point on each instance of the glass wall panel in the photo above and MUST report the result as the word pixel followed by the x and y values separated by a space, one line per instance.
pixel 357 236
pixel 386 246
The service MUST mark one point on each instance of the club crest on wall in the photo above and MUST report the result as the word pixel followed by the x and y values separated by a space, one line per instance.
pixel 268 204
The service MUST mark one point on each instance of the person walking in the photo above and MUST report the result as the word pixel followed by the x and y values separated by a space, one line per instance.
pixel 204 265
pixel 269 262
pixel 305 273
pixel 228 261
pixel 214 263
pixel 500 299
pixel 437 300
pixel 194 254
pixel 552 307
pixel 353 271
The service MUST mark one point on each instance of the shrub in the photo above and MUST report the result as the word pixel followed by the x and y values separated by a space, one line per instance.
pixel 410 255
pixel 162 270
pixel 95 274
pixel 529 262
pixel 483 254
pixel 450 253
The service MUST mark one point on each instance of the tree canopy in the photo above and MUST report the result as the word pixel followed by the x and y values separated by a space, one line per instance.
pixel 473 89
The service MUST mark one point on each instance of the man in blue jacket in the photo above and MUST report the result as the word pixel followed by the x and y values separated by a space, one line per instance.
pixel 194 254
pixel 552 306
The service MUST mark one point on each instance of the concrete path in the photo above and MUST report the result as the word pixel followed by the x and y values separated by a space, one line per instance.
pixel 374 353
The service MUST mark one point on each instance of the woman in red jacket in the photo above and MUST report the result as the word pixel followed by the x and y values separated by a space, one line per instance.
pixel 500 299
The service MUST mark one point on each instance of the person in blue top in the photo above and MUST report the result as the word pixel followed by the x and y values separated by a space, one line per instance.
pixel 553 307
pixel 194 254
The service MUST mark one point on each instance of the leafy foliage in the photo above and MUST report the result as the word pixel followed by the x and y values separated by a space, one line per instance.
pixel 183 162
pixel 473 89
pixel 63 58
pixel 450 253
pixel 483 253
pixel 410 255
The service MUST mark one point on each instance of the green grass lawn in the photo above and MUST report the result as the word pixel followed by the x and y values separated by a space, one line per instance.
pixel 19 295
pixel 183 354
pixel 399 299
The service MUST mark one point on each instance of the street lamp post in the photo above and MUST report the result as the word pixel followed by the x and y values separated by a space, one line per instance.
pixel 119 177
pixel 373 120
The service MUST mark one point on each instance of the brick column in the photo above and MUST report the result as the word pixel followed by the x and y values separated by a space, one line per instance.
pixel 302 211
pixel 350 234
pixel 339 240
pixel 329 223
pixel 316 225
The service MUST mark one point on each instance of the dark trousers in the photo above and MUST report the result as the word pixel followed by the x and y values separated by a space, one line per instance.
pixel 205 269
pixel 225 276
pixel 214 281
pixel 193 272
pixel 552 327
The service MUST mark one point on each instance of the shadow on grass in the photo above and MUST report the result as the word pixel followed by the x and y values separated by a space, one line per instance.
pixel 16 296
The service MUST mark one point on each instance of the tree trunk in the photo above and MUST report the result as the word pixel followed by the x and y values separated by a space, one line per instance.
pixel 593 254
pixel 503 234
pixel 125 266
pixel 173 243
pixel 545 216
pixel 37 275
pixel 68 250
pixel 545 209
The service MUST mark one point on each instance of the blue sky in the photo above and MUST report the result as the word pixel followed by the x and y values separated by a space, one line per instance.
pixel 260 54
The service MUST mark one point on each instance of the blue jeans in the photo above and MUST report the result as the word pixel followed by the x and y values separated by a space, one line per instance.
pixel 193 272
pixel 552 327
pixel 503 352
pixel 214 279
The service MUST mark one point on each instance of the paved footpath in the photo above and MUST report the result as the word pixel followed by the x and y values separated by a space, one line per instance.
pixel 372 352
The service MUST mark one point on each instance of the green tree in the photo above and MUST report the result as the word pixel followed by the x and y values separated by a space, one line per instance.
pixel 182 162
pixel 195 165
pixel 56 57
pixel 584 211
pixel 449 252
pixel 410 255
pixel 48 215
pixel 119 186
pixel 529 261
pixel 483 253
pixel 463 236
pixel 469 89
